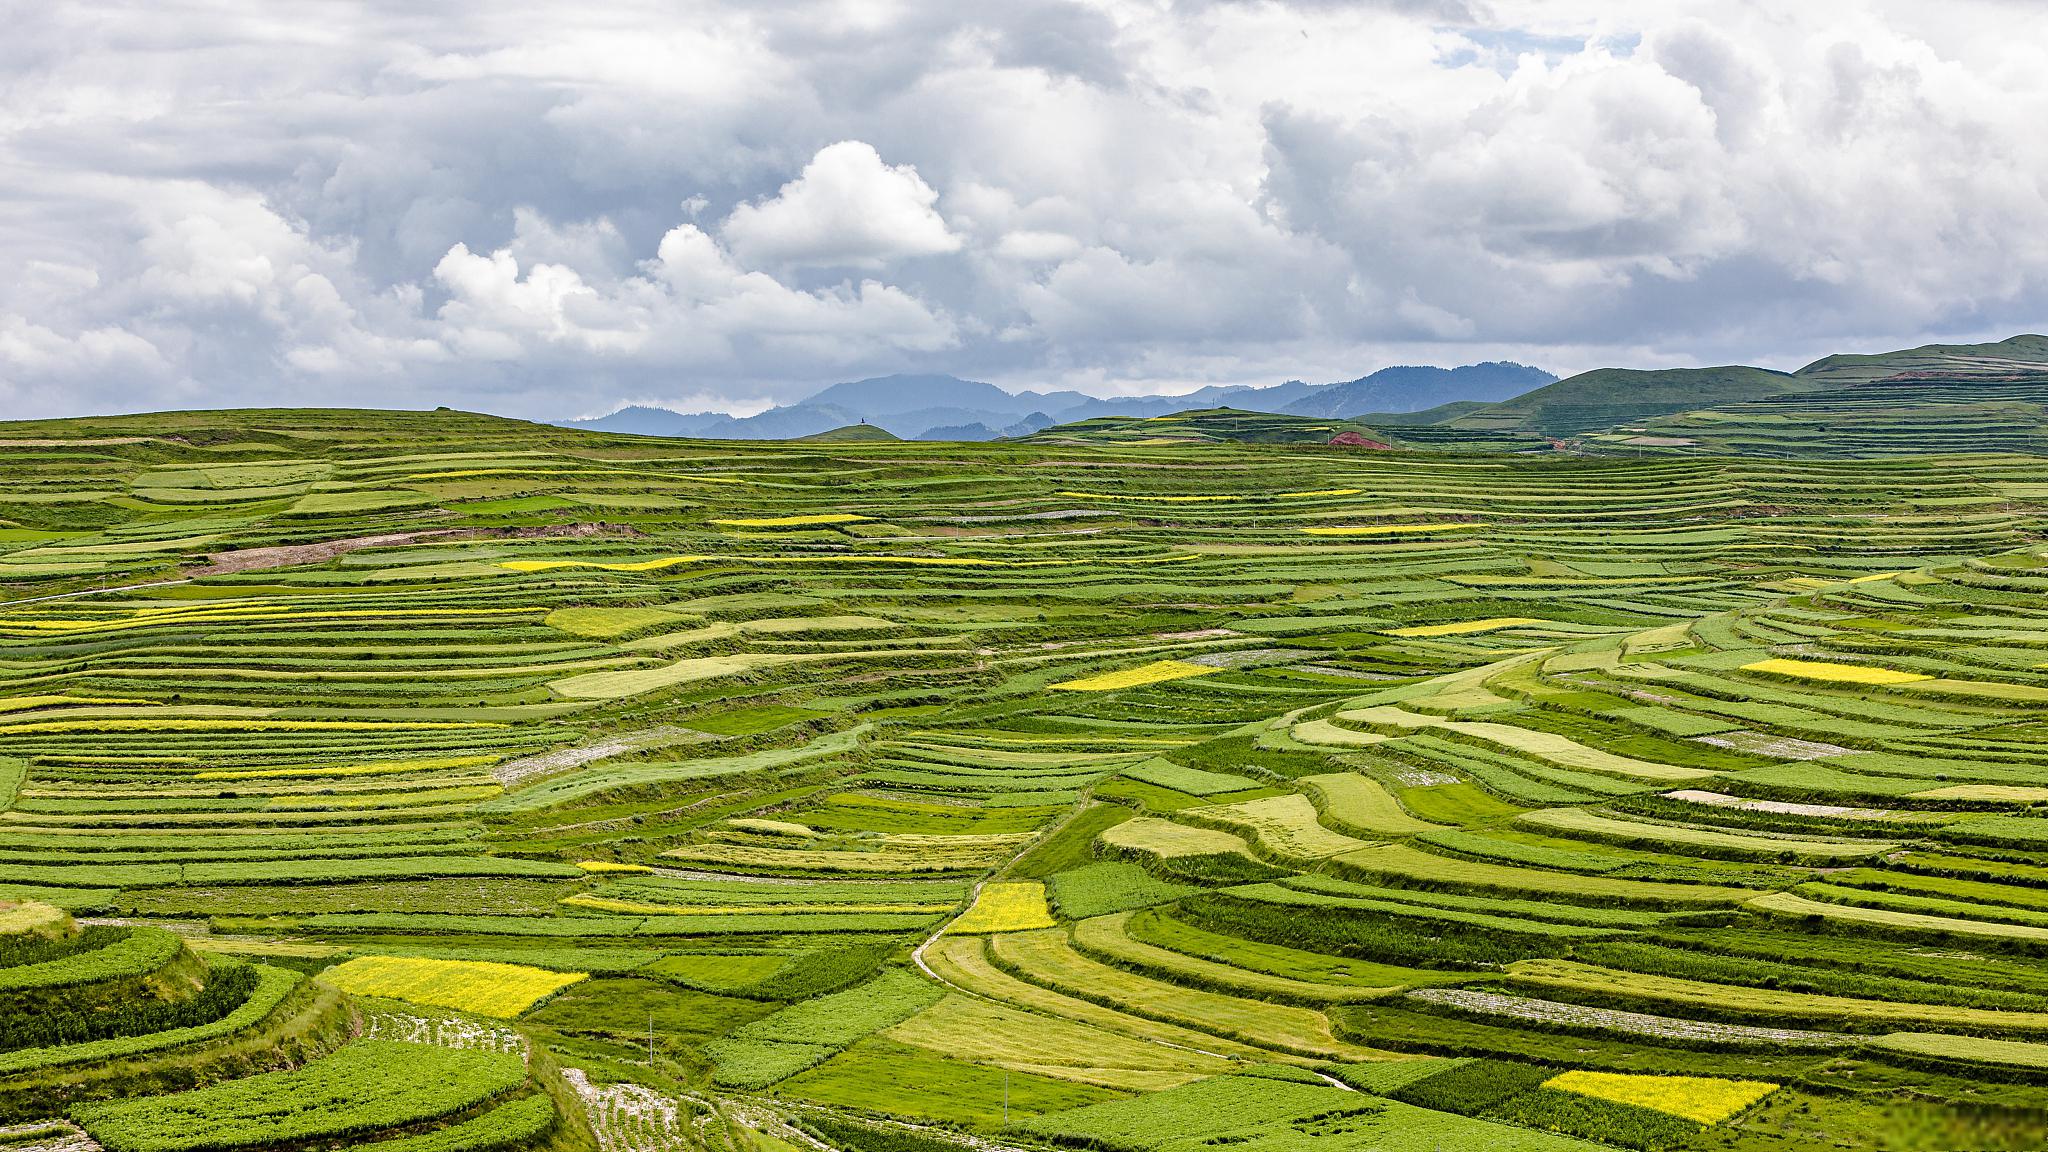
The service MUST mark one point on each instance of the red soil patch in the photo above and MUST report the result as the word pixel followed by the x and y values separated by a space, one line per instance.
pixel 1354 440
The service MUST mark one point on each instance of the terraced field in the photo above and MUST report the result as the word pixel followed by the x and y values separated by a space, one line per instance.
pixel 452 783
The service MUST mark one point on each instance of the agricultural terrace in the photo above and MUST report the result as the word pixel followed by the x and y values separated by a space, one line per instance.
pixel 442 782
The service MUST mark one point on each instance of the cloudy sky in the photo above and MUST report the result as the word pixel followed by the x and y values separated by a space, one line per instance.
pixel 549 209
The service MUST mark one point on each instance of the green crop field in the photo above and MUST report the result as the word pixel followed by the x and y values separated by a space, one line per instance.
pixel 441 783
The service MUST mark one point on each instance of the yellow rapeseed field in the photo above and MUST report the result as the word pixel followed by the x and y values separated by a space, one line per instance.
pixel 939 561
pixel 1465 627
pixel 245 724
pixel 791 521
pixel 1382 529
pixel 646 908
pixel 1006 906
pixel 1152 673
pixel 606 565
pixel 284 614
pixel 483 987
pixel 373 768
pixel 671 561
pixel 1152 497
pixel 24 703
pixel 1700 1098
pixel 1838 673
pixel 611 866
pixel 1237 498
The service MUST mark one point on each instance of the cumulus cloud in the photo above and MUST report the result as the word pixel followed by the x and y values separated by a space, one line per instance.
pixel 847 209
pixel 544 211
pixel 690 304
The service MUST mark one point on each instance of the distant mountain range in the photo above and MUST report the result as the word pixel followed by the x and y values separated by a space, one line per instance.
pixel 949 408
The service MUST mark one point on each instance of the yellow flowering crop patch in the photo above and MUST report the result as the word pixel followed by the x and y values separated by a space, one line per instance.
pixel 466 473
pixel 1466 627
pixel 937 561
pixel 250 724
pixel 611 866
pixel 1838 673
pixel 24 703
pixel 1382 529
pixel 1224 499
pixel 1152 673
pixel 484 987
pixel 672 561
pixel 1700 1098
pixel 373 768
pixel 644 908
pixel 1006 906
pixel 792 521
pixel 284 614
pixel 606 565
pixel 1146 496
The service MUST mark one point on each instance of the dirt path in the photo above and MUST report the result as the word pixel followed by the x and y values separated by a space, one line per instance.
pixel 514 772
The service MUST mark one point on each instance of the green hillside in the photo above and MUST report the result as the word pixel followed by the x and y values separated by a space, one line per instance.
pixel 2018 354
pixel 1917 412
pixel 423 782
pixel 1937 398
pixel 1605 397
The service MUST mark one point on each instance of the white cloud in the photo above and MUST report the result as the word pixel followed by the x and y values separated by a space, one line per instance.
pixel 690 305
pixel 848 209
pixel 481 206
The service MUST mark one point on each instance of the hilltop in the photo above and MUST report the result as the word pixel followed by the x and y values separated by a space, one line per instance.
pixel 849 433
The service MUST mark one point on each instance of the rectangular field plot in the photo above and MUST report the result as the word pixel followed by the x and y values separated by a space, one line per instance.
pixel 486 988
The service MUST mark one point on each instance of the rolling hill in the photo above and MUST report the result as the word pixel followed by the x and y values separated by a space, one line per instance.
pixel 1605 397
pixel 850 433
pixel 1935 398
pixel 2018 353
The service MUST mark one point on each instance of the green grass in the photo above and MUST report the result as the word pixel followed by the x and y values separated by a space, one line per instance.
pixel 884 1076
pixel 1109 886
pixel 371 1085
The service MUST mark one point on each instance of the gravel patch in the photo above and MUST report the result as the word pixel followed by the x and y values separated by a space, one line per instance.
pixel 1557 1013
pixel 1765 744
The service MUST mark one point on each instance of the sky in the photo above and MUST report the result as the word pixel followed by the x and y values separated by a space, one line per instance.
pixel 550 210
